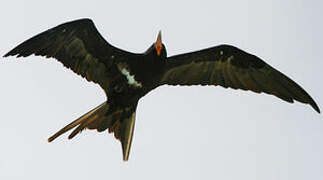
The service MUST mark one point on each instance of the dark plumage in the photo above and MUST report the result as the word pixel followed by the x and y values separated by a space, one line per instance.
pixel 126 77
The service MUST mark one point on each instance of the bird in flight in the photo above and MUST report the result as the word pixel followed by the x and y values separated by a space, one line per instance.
pixel 125 77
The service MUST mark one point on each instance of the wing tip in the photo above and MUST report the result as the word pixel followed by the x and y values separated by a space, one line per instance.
pixel 315 107
pixel 10 53
pixel 18 51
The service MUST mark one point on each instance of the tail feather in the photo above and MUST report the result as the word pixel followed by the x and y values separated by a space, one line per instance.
pixel 113 118
pixel 86 117
pixel 83 125
pixel 119 121
pixel 126 134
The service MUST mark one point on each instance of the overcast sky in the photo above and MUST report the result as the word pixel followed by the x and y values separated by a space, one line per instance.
pixel 181 132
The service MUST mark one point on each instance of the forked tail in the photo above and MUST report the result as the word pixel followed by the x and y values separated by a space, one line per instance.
pixel 119 121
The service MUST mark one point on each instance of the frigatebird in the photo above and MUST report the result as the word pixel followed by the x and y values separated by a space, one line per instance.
pixel 125 77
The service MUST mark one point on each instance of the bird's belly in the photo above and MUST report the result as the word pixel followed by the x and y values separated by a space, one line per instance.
pixel 131 80
pixel 132 83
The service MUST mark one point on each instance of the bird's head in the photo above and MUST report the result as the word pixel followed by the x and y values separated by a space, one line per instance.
pixel 158 49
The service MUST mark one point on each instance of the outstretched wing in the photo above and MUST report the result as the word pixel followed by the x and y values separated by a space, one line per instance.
pixel 79 46
pixel 231 67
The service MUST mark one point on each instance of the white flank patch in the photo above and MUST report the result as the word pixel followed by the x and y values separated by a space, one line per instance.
pixel 131 79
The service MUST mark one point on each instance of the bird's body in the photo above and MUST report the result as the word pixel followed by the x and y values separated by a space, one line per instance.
pixel 126 77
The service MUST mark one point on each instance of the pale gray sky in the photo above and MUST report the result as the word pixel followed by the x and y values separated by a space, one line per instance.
pixel 181 133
